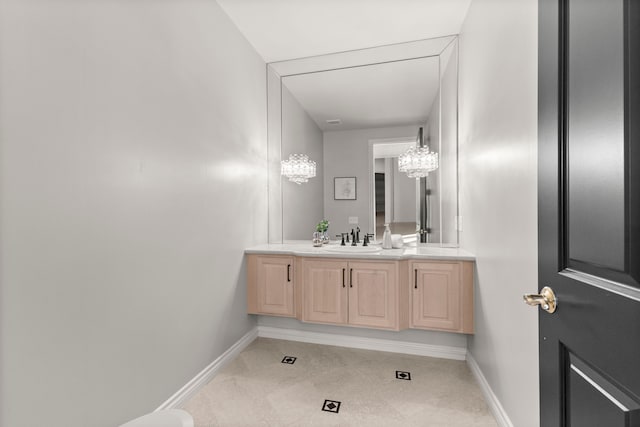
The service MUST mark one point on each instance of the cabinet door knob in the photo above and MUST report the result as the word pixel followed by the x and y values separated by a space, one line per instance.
pixel 351 277
pixel 415 278
pixel 343 271
pixel 288 272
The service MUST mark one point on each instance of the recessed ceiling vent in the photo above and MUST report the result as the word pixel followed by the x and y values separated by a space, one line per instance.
pixel 334 122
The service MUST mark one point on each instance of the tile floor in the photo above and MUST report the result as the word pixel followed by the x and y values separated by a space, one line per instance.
pixel 286 383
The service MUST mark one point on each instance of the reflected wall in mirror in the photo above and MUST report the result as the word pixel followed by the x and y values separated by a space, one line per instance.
pixel 354 113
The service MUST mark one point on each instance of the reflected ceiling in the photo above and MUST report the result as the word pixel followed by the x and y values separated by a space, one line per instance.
pixel 380 95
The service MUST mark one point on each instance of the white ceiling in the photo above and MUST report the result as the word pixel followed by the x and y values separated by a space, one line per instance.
pixel 288 29
pixel 383 95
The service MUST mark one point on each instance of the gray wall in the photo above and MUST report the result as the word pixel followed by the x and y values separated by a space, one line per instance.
pixel 133 175
pixel 498 121
pixel 346 153
pixel 302 205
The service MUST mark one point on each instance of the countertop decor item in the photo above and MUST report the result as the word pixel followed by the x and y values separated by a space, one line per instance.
pixel 322 228
pixel 318 239
pixel 397 241
pixel 386 238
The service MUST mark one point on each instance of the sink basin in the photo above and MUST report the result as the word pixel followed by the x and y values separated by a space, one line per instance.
pixel 354 249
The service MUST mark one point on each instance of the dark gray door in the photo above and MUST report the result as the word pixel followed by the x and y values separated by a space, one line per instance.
pixel 589 212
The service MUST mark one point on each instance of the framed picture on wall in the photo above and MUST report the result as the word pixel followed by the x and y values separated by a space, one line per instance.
pixel 344 188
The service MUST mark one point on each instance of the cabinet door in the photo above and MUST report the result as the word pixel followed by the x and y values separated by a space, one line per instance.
pixel 373 294
pixel 436 296
pixel 324 291
pixel 271 285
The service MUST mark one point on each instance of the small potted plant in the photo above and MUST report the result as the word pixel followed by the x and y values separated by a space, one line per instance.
pixel 322 228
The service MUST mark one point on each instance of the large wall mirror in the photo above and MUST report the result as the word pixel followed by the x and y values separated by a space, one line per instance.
pixel 354 113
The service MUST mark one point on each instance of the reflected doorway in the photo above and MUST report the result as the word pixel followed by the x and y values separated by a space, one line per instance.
pixel 394 195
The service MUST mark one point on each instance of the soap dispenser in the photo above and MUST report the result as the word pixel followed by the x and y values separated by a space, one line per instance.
pixel 386 238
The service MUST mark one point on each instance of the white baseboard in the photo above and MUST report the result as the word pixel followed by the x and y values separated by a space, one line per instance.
pixel 492 400
pixel 204 376
pixel 392 346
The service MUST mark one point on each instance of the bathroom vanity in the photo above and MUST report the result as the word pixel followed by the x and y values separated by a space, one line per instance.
pixel 419 288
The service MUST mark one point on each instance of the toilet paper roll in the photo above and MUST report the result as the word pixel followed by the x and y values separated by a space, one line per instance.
pixel 397 241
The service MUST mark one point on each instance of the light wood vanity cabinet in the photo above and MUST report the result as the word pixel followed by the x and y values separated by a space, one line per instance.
pixel 270 285
pixel 324 290
pixel 442 295
pixel 353 292
pixel 375 295
pixel 382 294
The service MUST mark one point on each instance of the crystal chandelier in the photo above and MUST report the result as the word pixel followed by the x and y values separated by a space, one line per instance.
pixel 417 162
pixel 298 168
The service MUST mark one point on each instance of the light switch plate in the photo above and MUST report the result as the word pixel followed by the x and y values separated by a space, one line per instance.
pixel 353 220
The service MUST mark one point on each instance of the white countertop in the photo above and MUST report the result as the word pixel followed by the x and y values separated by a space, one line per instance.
pixel 305 248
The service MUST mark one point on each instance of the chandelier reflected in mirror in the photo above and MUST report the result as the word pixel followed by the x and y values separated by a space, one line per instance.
pixel 298 168
pixel 417 162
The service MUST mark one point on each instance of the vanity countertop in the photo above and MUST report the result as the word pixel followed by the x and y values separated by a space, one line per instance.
pixel 305 248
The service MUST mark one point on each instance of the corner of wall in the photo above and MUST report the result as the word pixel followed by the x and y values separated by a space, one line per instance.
pixel 498 196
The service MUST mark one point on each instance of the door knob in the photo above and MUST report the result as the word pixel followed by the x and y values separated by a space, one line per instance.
pixel 545 299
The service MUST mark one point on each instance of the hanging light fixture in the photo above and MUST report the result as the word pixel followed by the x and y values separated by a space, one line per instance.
pixel 298 168
pixel 417 162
